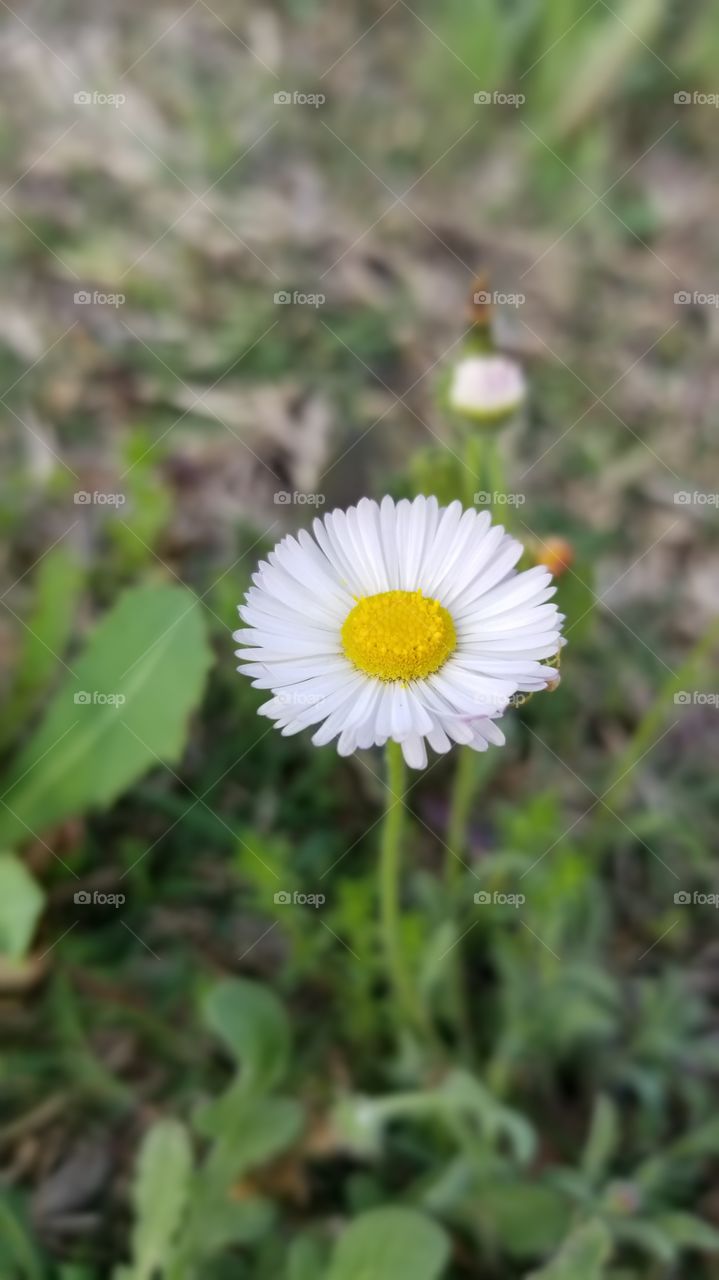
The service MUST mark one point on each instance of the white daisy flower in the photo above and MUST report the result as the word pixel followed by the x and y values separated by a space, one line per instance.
pixel 398 620
pixel 487 386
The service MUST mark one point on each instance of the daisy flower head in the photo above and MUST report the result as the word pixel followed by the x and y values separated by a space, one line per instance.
pixel 403 621
pixel 488 387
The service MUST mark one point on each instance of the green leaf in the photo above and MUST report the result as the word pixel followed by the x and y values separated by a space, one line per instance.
pixel 221 1223
pixel 585 1253
pixel 647 1237
pixel 253 1024
pixel 21 902
pixel 526 1219
pixel 305 1259
pixel 689 1232
pixel 18 1252
pixel 249 1131
pixel 160 1194
pixel 703 1141
pixel 149 650
pixel 603 1139
pixel 459 1100
pixel 390 1244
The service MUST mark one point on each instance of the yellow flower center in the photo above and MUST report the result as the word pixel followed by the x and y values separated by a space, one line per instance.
pixel 398 635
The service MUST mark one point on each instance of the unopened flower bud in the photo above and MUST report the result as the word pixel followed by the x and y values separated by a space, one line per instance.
pixel 557 554
pixel 487 387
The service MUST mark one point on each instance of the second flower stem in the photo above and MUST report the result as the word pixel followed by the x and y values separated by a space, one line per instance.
pixel 399 973
pixel 463 789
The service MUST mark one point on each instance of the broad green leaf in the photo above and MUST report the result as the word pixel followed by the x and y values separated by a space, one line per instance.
pixel 215 1224
pixel 390 1244
pixel 21 902
pixel 526 1219
pixel 584 1254
pixel 252 1022
pixel 248 1131
pixel 305 1259
pixel 160 1195
pixel 149 657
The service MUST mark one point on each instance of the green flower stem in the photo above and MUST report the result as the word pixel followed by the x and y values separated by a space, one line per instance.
pixel 403 987
pixel 484 465
pixel 463 790
pixel 484 471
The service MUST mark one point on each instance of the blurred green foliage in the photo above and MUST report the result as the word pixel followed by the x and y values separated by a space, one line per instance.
pixel 273 1125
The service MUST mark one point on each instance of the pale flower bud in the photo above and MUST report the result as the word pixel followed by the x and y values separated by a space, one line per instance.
pixel 487 386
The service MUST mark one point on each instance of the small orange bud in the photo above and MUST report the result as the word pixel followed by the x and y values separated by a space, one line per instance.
pixel 557 554
pixel 479 310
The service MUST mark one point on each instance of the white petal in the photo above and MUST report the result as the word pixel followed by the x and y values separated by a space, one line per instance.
pixel 415 752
